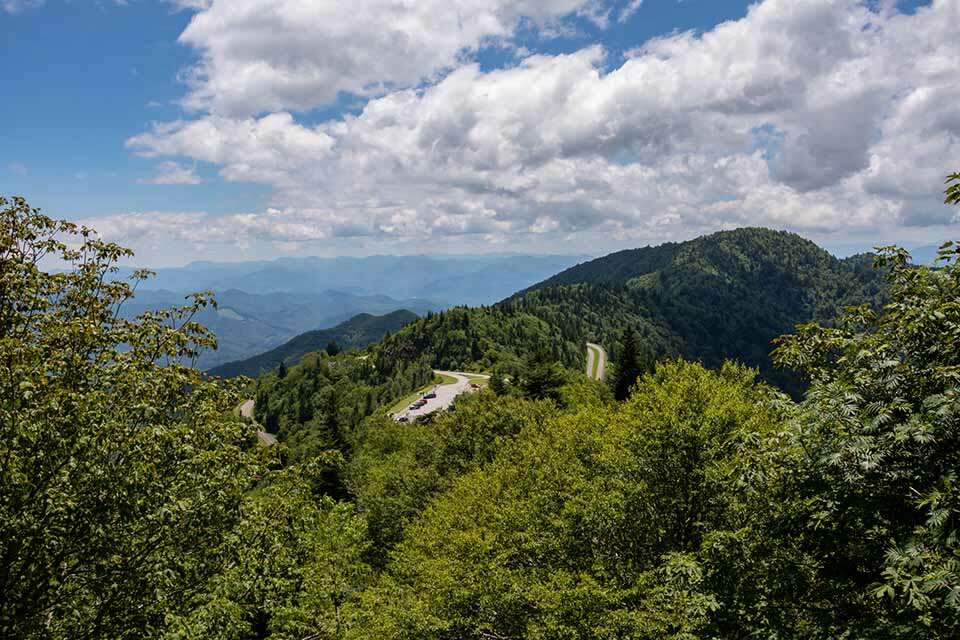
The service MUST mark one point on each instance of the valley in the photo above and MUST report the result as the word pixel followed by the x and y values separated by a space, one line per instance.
pixel 480 320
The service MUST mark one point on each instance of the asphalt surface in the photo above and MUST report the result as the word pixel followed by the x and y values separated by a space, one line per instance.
pixel 446 394
pixel 596 351
pixel 266 439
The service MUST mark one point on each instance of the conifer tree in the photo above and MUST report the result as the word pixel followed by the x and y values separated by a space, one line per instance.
pixel 629 367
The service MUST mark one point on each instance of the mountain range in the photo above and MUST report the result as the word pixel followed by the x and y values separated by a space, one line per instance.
pixel 360 331
pixel 446 280
pixel 262 304
pixel 722 296
pixel 247 324
pixel 727 295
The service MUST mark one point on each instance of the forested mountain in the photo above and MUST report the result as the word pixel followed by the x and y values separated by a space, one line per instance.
pixel 135 502
pixel 246 324
pixel 315 405
pixel 726 295
pixel 357 332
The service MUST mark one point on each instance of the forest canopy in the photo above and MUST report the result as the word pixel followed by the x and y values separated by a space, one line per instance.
pixel 136 503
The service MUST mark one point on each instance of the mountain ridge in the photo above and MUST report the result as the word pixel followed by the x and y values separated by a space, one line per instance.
pixel 359 331
pixel 721 296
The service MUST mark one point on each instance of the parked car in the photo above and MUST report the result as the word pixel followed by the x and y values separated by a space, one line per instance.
pixel 403 419
pixel 431 395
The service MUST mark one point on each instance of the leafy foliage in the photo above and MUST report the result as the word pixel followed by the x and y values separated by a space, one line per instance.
pixel 588 524
pixel 317 404
pixel 289 581
pixel 882 440
pixel 952 192
pixel 121 466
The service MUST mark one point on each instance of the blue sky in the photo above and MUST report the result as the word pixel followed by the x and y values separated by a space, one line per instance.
pixel 167 127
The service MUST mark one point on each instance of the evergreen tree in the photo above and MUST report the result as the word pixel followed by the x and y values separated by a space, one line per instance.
pixel 542 377
pixel 629 366
pixel 333 348
pixel 497 383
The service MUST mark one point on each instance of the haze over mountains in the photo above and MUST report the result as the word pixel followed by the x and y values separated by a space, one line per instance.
pixel 359 331
pixel 247 323
pixel 468 279
pixel 265 303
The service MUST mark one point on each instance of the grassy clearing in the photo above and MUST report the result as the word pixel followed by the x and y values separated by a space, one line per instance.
pixel 480 381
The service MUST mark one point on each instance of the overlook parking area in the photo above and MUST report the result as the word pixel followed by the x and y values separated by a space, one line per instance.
pixel 445 394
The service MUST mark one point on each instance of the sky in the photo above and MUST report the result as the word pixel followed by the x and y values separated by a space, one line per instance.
pixel 251 129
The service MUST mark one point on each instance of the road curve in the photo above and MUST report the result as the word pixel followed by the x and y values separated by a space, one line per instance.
pixel 446 394
pixel 596 352
pixel 266 439
pixel 246 409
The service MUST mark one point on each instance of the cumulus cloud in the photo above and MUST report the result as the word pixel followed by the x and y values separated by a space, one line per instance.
pixel 813 115
pixel 627 12
pixel 272 150
pixel 272 55
pixel 171 172
pixel 190 5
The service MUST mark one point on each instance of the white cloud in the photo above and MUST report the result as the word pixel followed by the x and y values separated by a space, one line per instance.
pixel 275 55
pixel 170 172
pixel 190 5
pixel 627 12
pixel 18 6
pixel 821 116
pixel 272 150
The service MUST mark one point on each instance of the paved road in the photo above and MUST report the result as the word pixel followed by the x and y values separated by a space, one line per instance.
pixel 596 351
pixel 446 394
pixel 266 439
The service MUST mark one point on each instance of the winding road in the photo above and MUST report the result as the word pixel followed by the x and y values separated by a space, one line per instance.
pixel 446 394
pixel 266 439
pixel 596 361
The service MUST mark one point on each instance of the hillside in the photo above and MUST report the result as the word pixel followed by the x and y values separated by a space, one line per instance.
pixel 722 296
pixel 358 332
pixel 247 324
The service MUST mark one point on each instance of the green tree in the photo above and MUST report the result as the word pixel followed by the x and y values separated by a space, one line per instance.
pixel 498 383
pixel 298 561
pixel 121 467
pixel 602 523
pixel 880 434
pixel 333 348
pixel 952 192
pixel 398 468
pixel 629 368
pixel 542 377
